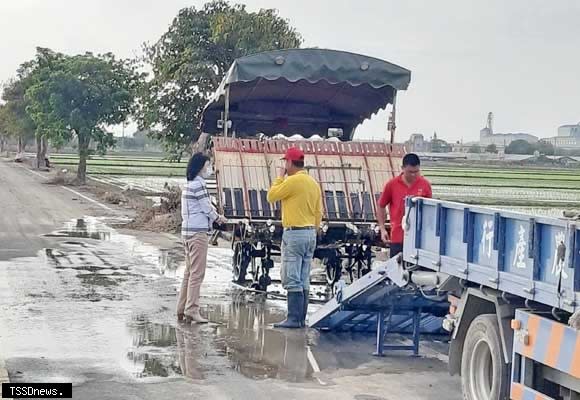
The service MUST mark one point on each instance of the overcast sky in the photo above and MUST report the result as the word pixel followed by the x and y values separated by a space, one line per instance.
pixel 518 58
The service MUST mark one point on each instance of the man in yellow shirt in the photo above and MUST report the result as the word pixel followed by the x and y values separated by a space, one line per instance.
pixel 301 217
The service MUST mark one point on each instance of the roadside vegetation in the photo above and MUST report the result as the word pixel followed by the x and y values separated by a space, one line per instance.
pixel 57 98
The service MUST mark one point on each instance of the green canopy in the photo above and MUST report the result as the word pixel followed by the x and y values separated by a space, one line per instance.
pixel 303 91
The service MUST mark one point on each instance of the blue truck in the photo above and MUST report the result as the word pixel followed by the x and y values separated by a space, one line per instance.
pixel 506 286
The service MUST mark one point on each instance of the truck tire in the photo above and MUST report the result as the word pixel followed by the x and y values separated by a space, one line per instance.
pixel 484 372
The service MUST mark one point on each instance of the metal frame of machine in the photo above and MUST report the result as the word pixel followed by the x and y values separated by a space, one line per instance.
pixel 321 95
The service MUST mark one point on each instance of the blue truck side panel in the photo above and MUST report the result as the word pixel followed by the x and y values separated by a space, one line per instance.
pixel 532 257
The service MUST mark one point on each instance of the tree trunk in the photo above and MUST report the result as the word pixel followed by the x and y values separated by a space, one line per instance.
pixel 45 150
pixel 2 144
pixel 41 152
pixel 20 145
pixel 201 145
pixel 83 155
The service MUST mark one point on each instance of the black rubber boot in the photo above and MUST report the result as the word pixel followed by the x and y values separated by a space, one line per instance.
pixel 305 309
pixel 295 310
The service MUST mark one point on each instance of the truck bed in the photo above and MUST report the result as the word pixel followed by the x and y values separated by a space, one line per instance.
pixel 535 258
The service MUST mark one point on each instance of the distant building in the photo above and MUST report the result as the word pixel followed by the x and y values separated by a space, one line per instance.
pixel 562 142
pixel 568 137
pixel 460 147
pixel 569 131
pixel 501 140
pixel 439 145
pixel 418 144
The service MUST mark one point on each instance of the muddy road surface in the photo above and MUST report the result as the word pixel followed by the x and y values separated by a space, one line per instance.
pixel 82 301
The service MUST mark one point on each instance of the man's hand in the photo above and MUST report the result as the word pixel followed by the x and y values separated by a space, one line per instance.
pixel 221 220
pixel 282 172
pixel 385 236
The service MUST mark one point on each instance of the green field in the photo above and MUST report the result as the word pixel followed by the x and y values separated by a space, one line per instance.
pixel 489 185
pixel 117 165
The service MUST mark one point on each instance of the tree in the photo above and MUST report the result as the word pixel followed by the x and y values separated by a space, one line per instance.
pixel 545 148
pixel 189 61
pixel 475 149
pixel 79 97
pixel 520 147
pixel 492 148
pixel 16 121
pixel 4 127
pixel 30 73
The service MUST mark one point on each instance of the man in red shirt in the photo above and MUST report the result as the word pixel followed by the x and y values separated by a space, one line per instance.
pixel 409 183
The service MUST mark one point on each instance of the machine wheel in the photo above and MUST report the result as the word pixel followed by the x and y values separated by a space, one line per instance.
pixel 484 372
pixel 333 270
pixel 241 260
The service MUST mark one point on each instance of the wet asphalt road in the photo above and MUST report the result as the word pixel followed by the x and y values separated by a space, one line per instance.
pixel 85 303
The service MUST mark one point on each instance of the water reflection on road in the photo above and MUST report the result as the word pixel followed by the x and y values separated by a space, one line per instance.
pixel 101 300
pixel 239 339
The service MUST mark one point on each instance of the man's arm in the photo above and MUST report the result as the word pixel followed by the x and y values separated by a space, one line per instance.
pixel 281 189
pixel 429 193
pixel 384 201
pixel 381 217
pixel 319 212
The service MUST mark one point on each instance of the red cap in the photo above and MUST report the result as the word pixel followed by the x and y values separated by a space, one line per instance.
pixel 294 154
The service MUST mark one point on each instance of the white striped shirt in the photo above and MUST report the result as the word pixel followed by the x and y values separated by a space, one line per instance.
pixel 197 212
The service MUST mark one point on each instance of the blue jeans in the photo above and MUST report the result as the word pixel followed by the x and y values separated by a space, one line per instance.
pixel 297 252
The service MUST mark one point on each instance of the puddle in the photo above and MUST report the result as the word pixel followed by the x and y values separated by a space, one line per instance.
pixel 153 349
pixel 108 305
pixel 99 280
pixel 82 228
pixel 239 340
pixel 172 262
pixel 108 259
pixel 258 351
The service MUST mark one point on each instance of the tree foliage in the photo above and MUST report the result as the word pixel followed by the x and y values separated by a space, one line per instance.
pixel 4 128
pixel 14 120
pixel 190 59
pixel 475 149
pixel 524 147
pixel 80 96
pixel 520 147
pixel 492 148
pixel 545 148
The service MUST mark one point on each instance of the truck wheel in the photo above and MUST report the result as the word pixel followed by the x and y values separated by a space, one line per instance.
pixel 484 372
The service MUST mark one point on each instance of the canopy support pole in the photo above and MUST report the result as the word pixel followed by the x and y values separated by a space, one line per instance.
pixel 392 125
pixel 226 111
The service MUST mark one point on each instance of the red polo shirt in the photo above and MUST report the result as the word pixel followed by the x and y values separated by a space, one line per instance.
pixel 394 195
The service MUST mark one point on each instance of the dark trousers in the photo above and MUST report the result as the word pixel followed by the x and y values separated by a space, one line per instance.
pixel 396 248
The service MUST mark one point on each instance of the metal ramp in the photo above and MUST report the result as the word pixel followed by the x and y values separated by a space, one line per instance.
pixel 380 302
